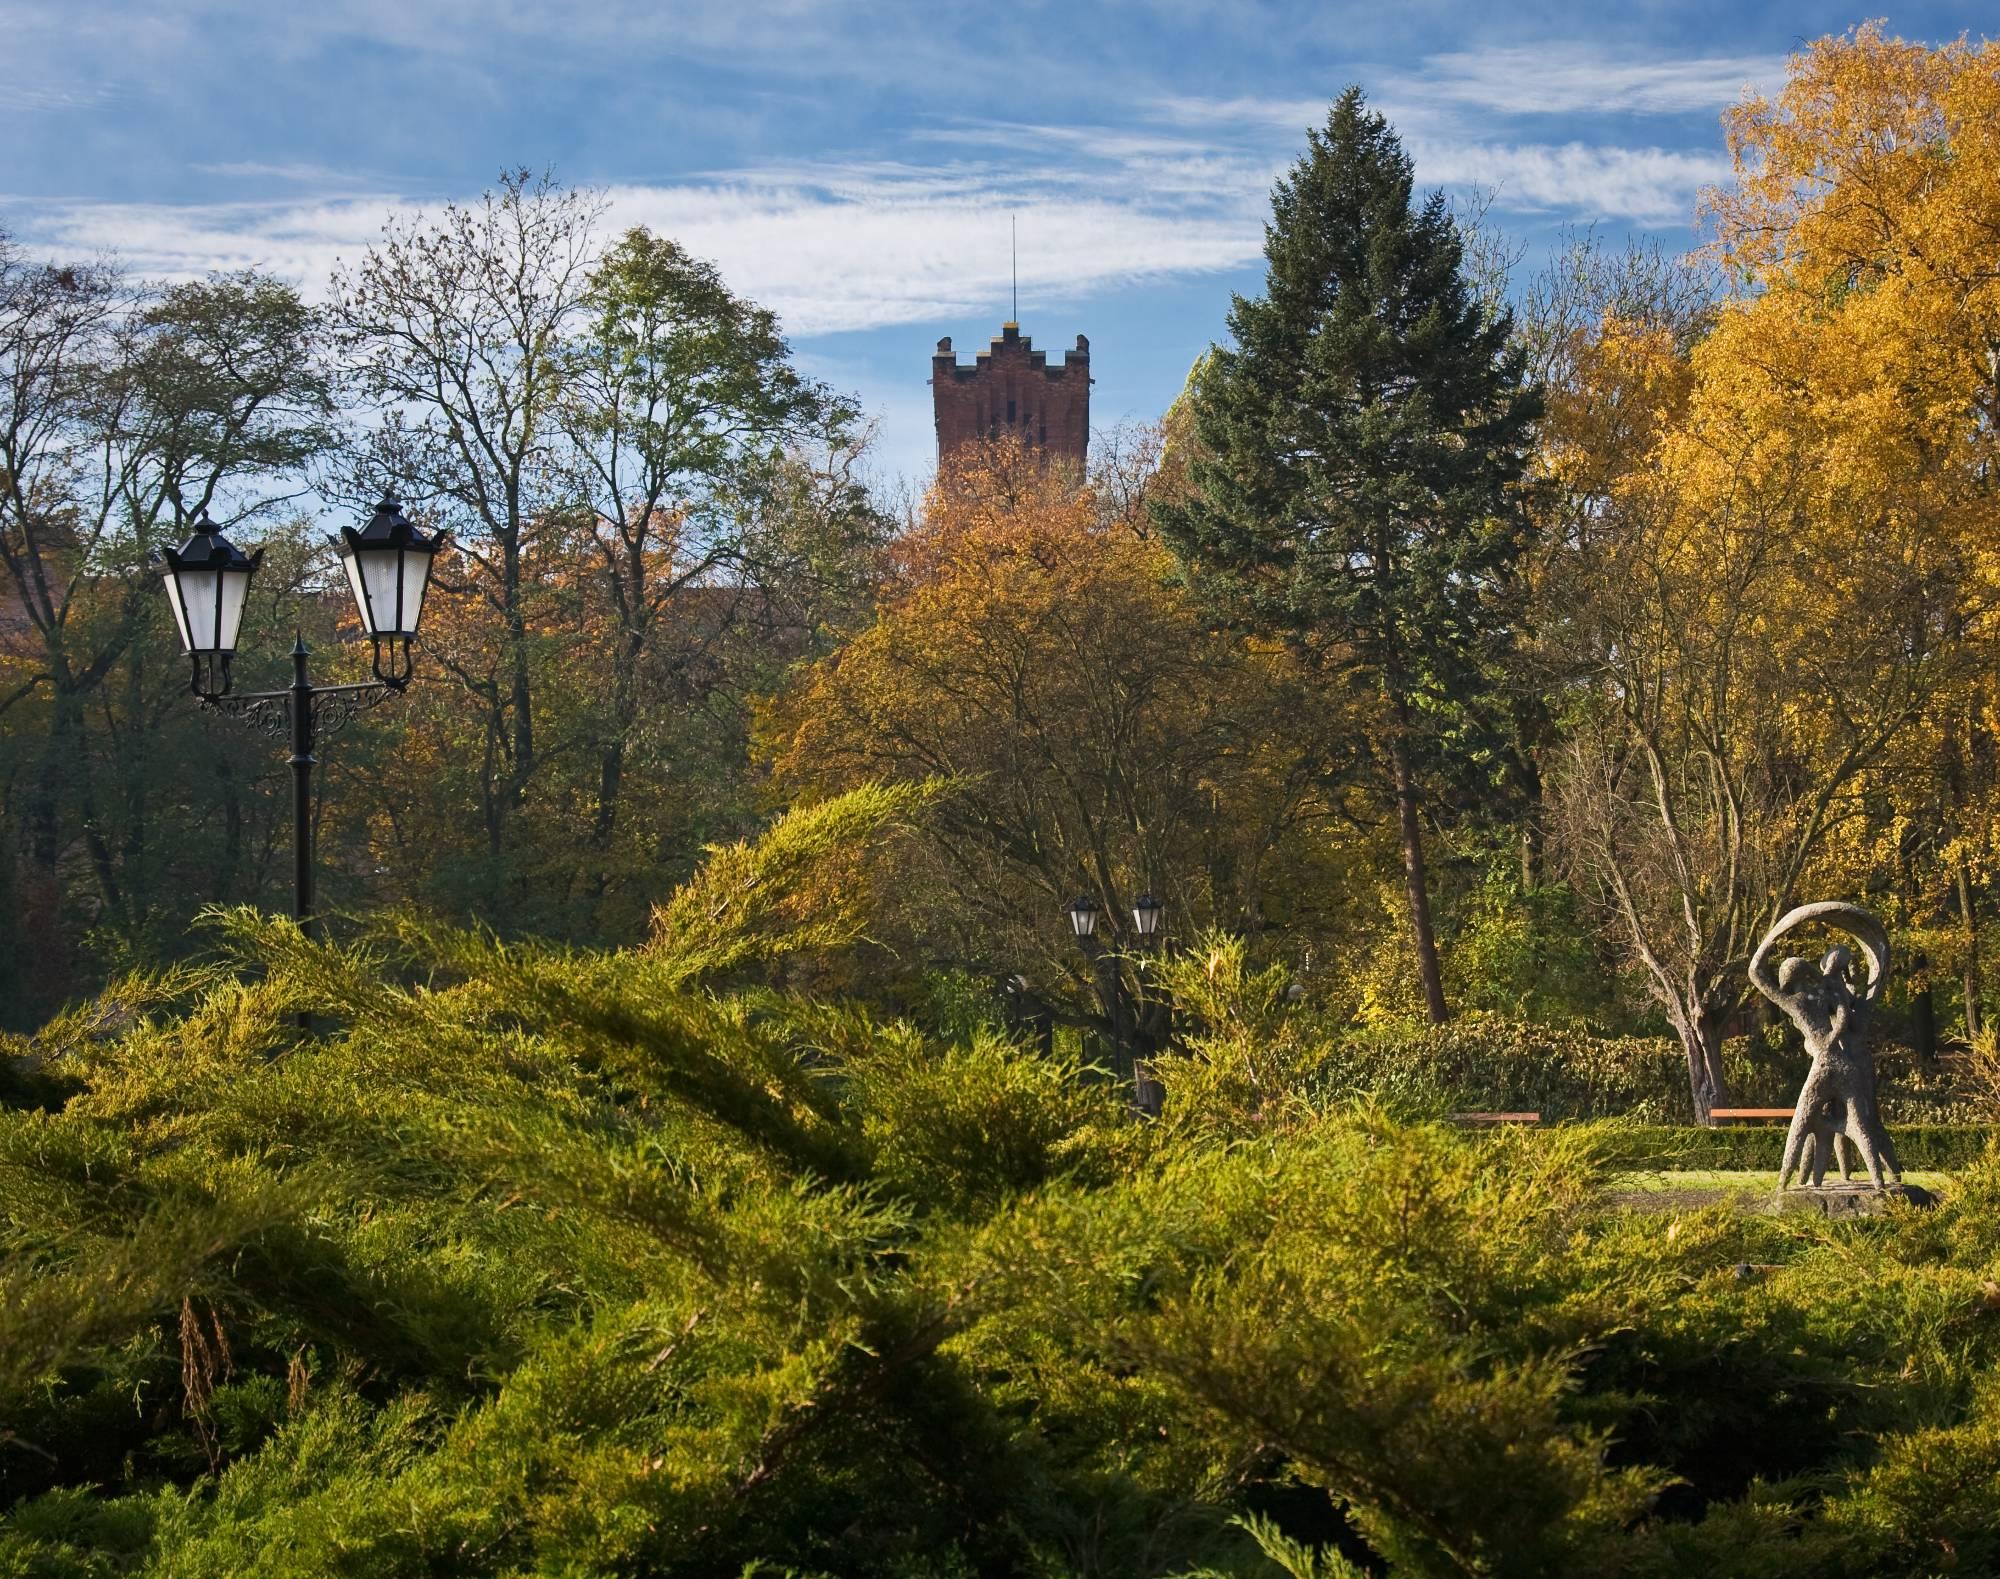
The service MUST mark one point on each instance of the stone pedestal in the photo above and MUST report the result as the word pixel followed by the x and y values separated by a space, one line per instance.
pixel 1850 1199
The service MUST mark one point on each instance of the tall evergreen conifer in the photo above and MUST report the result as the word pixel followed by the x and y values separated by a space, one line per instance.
pixel 1357 451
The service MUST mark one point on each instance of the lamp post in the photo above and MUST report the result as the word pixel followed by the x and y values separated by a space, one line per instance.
pixel 388 565
pixel 1147 913
pixel 1150 1028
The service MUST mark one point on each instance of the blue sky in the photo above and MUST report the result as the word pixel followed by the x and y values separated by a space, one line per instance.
pixel 854 165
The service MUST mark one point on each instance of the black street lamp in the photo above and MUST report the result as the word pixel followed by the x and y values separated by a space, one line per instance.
pixel 208 582
pixel 388 565
pixel 1150 1029
pixel 1133 1018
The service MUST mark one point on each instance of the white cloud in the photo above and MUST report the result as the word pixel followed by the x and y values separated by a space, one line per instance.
pixel 1567 79
pixel 1588 181
pixel 848 249
pixel 1178 190
pixel 302 174
pixel 830 248
pixel 1649 185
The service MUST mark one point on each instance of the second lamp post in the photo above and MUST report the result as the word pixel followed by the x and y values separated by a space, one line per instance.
pixel 388 565
pixel 1133 1016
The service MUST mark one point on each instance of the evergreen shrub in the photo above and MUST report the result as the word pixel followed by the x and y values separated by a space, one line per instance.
pixel 534 1261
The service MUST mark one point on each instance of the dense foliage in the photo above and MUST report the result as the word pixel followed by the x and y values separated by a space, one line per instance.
pixel 551 1261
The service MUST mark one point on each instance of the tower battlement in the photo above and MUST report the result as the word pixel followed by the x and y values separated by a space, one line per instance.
pixel 1012 389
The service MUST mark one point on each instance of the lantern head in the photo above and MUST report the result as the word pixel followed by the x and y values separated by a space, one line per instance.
pixel 208 583
pixel 388 565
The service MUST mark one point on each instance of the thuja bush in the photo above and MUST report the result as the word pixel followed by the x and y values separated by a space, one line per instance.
pixel 538 1261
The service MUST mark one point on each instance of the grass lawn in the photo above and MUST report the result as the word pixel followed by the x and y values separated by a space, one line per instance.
pixel 1663 1190
pixel 1728 1179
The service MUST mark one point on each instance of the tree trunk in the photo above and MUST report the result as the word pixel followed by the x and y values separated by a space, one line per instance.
pixel 1429 973
pixel 49 788
pixel 1969 917
pixel 1701 1039
pixel 1923 1022
pixel 524 724
pixel 610 775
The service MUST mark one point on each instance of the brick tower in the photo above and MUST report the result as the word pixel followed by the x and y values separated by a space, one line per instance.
pixel 1010 388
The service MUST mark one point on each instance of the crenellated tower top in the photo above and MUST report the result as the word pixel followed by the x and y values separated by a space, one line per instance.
pixel 1011 388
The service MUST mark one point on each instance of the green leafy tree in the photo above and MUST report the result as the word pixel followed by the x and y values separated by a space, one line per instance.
pixel 674 393
pixel 452 326
pixel 124 412
pixel 1356 454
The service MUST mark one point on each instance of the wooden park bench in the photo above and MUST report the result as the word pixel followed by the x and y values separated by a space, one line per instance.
pixel 1496 1118
pixel 1723 1115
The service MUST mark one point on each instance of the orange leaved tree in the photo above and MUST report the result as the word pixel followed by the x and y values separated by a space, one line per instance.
pixel 1033 650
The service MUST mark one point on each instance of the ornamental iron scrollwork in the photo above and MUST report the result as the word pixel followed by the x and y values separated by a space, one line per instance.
pixel 334 707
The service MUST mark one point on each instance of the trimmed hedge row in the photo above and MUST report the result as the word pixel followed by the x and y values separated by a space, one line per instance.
pixel 1679 1148
pixel 1482 1063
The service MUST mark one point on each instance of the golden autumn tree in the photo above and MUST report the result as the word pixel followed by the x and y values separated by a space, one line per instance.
pixel 1868 203
pixel 1097 736
pixel 1787 573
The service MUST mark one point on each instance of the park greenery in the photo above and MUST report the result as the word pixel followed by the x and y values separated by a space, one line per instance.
pixel 696 1144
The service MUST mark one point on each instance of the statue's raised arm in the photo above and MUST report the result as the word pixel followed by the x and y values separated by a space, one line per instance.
pixel 1762 977
pixel 1866 931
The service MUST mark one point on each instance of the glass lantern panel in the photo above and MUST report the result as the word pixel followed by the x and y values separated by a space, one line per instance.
pixel 372 575
pixel 351 563
pixel 172 579
pixel 234 586
pixel 416 577
pixel 199 605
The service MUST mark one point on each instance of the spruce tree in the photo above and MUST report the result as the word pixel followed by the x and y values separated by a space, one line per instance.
pixel 1357 452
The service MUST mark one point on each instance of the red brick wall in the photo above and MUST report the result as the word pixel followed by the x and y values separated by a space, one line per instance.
pixel 1010 388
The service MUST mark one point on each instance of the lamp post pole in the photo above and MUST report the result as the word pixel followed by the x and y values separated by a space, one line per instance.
pixel 302 772
pixel 1151 1016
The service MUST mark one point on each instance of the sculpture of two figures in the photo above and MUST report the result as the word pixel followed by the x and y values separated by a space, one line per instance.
pixel 1836 1107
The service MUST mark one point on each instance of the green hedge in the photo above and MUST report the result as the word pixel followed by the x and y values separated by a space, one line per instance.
pixel 1758 1146
pixel 1482 1063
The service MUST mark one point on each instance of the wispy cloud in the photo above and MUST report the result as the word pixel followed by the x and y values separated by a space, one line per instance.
pixel 1652 186
pixel 319 175
pixel 1569 79
pixel 1635 182
pixel 45 97
pixel 829 247
pixel 844 249
pixel 1177 189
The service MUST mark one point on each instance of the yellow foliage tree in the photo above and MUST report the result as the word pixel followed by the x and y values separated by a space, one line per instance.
pixel 1791 570
pixel 1032 651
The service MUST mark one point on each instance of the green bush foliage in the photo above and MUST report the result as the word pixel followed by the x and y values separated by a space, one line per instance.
pixel 530 1261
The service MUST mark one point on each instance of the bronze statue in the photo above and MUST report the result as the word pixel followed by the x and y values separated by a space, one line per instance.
pixel 1837 1103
